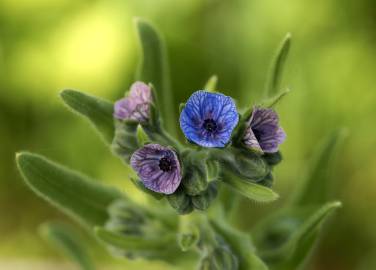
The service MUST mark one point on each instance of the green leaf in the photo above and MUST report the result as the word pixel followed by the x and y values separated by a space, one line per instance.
pixel 250 190
pixel 313 222
pixel 211 84
pixel 276 69
pixel 286 239
pixel 240 244
pixel 98 111
pixel 142 137
pixel 134 243
pixel 75 194
pixel 153 68
pixel 272 101
pixel 314 188
pixel 65 239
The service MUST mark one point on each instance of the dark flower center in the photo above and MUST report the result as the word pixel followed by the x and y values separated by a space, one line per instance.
pixel 165 164
pixel 210 125
pixel 258 134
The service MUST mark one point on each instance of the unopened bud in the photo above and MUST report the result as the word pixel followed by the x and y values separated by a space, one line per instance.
pixel 125 139
pixel 267 181
pixel 203 200
pixel 243 163
pixel 195 176
pixel 272 158
pixel 220 258
pixel 180 201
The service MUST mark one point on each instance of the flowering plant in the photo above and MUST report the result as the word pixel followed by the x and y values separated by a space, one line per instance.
pixel 194 184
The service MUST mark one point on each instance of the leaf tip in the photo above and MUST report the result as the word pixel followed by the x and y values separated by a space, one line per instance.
pixel 336 204
pixel 21 156
pixel 18 156
pixel 65 93
pixel 138 21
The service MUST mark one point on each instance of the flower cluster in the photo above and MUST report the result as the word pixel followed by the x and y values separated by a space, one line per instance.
pixel 246 145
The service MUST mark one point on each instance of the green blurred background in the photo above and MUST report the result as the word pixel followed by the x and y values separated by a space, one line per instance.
pixel 91 45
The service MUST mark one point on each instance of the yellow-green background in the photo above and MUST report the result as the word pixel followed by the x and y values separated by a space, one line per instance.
pixel 47 46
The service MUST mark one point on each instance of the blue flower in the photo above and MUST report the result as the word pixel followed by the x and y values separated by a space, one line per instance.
pixel 208 119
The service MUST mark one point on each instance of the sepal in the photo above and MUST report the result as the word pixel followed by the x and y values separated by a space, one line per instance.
pixel 241 162
pixel 194 179
pixel 125 141
pixel 180 201
pixel 203 200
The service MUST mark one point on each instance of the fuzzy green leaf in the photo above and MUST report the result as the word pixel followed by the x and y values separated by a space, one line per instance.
pixel 134 243
pixel 75 194
pixel 211 84
pixel 287 238
pixel 240 244
pixel 315 185
pixel 252 191
pixel 153 68
pixel 65 239
pixel 98 111
pixel 276 69
pixel 142 137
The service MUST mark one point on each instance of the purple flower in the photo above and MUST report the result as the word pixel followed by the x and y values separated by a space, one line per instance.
pixel 158 168
pixel 263 132
pixel 208 119
pixel 136 106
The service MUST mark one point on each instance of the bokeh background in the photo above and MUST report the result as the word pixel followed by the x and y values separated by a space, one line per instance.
pixel 91 45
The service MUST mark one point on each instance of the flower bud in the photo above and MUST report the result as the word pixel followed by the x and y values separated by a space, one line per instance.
pixel 125 139
pixel 267 181
pixel 221 258
pixel 180 201
pixel 272 158
pixel 194 180
pixel 195 172
pixel 224 259
pixel 125 218
pixel 136 106
pixel 131 222
pixel 203 200
pixel 242 162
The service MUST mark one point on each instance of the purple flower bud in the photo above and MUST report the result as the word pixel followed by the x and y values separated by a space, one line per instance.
pixel 263 132
pixel 136 106
pixel 158 168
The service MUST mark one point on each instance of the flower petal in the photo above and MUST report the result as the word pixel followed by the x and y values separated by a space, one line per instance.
pixel 146 162
pixel 203 106
pixel 136 106
pixel 250 140
pixel 264 124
